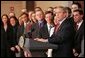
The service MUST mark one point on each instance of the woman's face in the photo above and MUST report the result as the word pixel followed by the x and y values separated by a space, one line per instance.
pixel 12 21
pixel 24 18
pixel 4 19
pixel 74 7
pixel 48 17
pixel 20 21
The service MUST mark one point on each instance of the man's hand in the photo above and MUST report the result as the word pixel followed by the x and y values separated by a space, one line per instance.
pixel 27 54
pixel 18 48
pixel 12 49
pixel 41 39
pixel 75 53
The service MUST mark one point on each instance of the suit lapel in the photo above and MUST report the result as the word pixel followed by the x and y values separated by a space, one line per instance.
pixel 46 28
pixel 62 24
pixel 81 28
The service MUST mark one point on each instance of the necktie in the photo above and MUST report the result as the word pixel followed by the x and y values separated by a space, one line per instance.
pixel 76 27
pixel 28 27
pixel 40 25
pixel 57 26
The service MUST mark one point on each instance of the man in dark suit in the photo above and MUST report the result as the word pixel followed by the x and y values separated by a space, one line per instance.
pixel 24 28
pixel 78 18
pixel 45 30
pixel 63 35
pixel 35 31
pixel 37 26
pixel 82 48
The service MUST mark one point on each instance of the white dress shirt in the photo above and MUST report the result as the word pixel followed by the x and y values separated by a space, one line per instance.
pixel 79 24
pixel 49 52
pixel 51 30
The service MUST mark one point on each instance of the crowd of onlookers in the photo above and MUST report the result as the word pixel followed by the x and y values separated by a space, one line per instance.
pixel 41 26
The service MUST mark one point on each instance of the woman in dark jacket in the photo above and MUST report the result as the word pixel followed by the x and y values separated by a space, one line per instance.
pixel 14 25
pixel 6 37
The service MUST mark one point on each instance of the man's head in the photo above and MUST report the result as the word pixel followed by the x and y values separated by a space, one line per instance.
pixel 39 15
pixel 24 17
pixel 37 9
pixel 60 13
pixel 78 15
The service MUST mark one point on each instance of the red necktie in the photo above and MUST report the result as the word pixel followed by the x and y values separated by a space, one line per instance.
pixel 57 27
pixel 28 27
pixel 76 27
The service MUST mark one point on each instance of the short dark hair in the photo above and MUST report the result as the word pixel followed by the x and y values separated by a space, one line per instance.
pixel 38 8
pixel 78 4
pixel 47 12
pixel 24 14
pixel 79 10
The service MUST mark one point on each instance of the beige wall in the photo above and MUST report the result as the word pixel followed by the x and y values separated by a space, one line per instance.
pixel 18 6
pixel 45 4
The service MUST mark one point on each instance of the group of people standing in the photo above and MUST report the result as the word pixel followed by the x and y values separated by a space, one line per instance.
pixel 61 26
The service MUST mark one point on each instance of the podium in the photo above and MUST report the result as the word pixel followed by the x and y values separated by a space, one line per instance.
pixel 37 48
pixel 36 45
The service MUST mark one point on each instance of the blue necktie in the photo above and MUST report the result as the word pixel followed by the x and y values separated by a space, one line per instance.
pixel 40 25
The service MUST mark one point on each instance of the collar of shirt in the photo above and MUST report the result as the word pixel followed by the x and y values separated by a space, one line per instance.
pixel 79 24
pixel 62 21
pixel 52 31
pixel 48 25
pixel 25 24
pixel 41 21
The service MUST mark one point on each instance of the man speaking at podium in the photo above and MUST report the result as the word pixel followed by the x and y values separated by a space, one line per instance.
pixel 63 35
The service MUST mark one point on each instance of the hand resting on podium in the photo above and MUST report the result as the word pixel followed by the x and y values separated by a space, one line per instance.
pixel 41 39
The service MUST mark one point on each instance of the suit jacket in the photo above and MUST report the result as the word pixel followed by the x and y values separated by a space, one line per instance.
pixel 23 31
pixel 78 38
pixel 20 32
pixel 82 48
pixel 14 42
pixel 64 39
pixel 44 32
pixel 35 29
